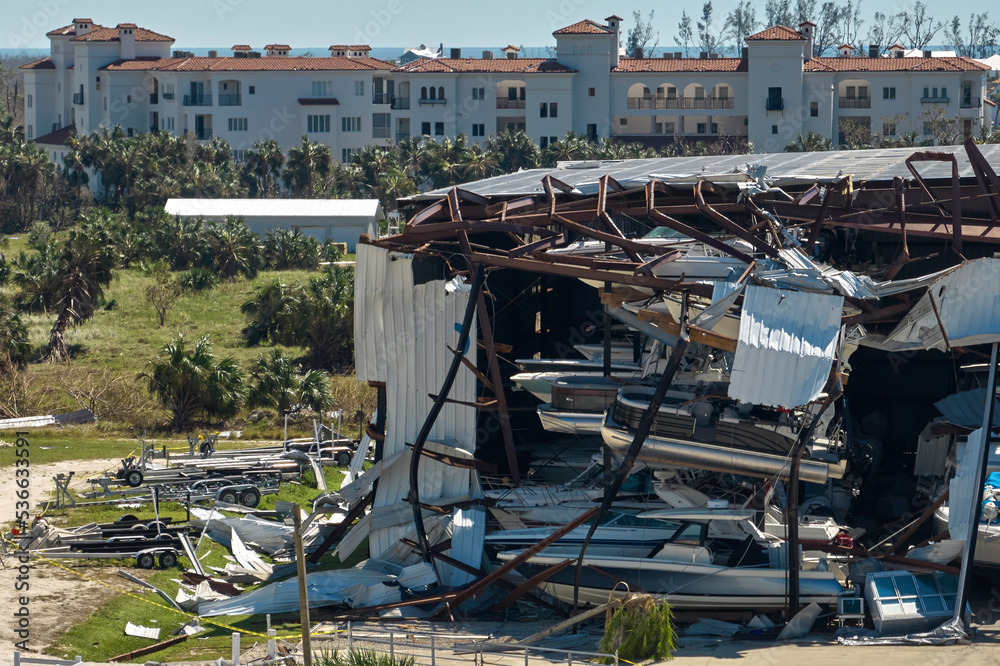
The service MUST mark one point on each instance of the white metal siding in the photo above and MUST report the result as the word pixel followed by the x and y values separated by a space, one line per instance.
pixel 787 343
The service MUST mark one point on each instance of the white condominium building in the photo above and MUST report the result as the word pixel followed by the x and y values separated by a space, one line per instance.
pixel 131 77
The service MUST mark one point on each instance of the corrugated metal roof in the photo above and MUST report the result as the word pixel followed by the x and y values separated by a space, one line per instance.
pixel 964 301
pixel 249 208
pixel 966 408
pixel 875 164
pixel 787 343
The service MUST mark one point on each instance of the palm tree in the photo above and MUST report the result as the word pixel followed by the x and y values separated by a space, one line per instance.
pixel 811 142
pixel 275 382
pixel 413 155
pixel 287 249
pixel 322 319
pixel 514 150
pixel 571 147
pixel 305 162
pixel 479 164
pixel 14 345
pixel 264 162
pixel 194 382
pixel 86 266
pixel 391 186
pixel 268 311
pixel 233 248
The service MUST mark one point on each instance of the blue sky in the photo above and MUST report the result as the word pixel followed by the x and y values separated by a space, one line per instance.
pixel 381 23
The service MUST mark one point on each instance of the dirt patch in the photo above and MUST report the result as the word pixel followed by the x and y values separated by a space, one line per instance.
pixel 59 599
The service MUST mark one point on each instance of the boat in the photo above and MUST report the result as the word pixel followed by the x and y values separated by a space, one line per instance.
pixel 717 434
pixel 691 569
pixel 578 404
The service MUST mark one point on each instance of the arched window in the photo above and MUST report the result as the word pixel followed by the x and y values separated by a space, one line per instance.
pixel 433 93
pixel 441 92
pixel 423 92
pixel 944 92
pixel 926 92
pixel 935 92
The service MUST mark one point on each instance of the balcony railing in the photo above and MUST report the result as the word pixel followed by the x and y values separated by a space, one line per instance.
pixel 381 133
pixel 203 134
pixel 154 98
pixel 382 98
pixel 935 100
pixel 680 102
pixel 969 103
pixel 78 98
pixel 400 103
pixel 228 100
pixel 168 95
pixel 432 101
pixel 402 136
pixel 197 100
pixel 855 102
pixel 507 103
pixel 774 104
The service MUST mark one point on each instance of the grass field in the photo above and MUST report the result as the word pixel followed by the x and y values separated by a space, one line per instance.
pixel 111 351
pixel 102 636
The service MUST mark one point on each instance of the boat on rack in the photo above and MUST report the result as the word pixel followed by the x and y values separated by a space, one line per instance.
pixel 691 568
pixel 578 404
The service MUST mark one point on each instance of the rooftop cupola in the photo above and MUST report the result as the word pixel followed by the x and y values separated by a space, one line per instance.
pixel 277 50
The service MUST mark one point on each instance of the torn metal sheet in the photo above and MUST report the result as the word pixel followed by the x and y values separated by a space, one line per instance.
pixel 787 345
pixel 247 558
pixel 139 631
pixel 325 588
pixel 966 408
pixel 960 308
pixel 268 535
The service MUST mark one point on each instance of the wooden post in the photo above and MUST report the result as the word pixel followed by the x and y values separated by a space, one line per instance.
pixel 300 565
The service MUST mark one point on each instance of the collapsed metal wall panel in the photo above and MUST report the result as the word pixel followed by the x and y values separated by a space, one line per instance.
pixel 403 332
pixel 787 344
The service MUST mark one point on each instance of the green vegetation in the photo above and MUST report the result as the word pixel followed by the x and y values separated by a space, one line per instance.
pixel 639 628
pixel 359 657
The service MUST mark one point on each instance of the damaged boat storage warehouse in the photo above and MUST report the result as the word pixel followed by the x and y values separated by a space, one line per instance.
pixel 659 372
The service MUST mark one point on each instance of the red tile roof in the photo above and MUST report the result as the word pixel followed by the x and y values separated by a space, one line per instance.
pixel 127 25
pixel 57 138
pixel 497 65
pixel 586 27
pixel 635 65
pixel 274 47
pixel 897 45
pixel 851 64
pixel 846 46
pixel 510 47
pixel 44 63
pixel 807 23
pixel 230 64
pixel 615 17
pixel 350 47
pixel 64 31
pixel 111 35
pixel 777 32
pixel 241 47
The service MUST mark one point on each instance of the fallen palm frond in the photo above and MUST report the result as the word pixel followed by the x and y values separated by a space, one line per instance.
pixel 639 627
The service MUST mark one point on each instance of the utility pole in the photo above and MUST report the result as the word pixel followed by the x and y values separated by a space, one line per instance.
pixel 300 565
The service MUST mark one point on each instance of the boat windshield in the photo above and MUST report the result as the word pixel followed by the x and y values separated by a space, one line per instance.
pixel 631 520
pixel 664 232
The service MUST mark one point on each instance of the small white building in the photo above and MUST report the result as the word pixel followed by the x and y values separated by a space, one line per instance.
pixel 339 220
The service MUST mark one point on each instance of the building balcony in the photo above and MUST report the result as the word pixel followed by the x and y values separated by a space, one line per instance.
pixel 507 103
pixel 228 100
pixel 969 103
pixel 78 98
pixel 935 100
pixel 382 98
pixel 167 95
pixel 381 133
pixel 203 134
pixel 442 102
pixel 680 102
pixel 855 102
pixel 400 103
pixel 774 104
pixel 154 98
pixel 197 100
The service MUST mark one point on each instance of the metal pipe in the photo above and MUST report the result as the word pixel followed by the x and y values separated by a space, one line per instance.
pixel 982 463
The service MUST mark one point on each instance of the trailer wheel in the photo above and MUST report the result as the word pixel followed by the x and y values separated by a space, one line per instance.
pixel 228 496
pixel 344 459
pixel 133 478
pixel 250 498
pixel 167 559
pixel 127 518
pixel 145 560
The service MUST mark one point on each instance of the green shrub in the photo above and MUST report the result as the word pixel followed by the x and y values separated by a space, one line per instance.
pixel 358 657
pixel 198 279
pixel 639 627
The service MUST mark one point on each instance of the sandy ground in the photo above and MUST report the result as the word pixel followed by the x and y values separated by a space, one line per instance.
pixel 58 598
